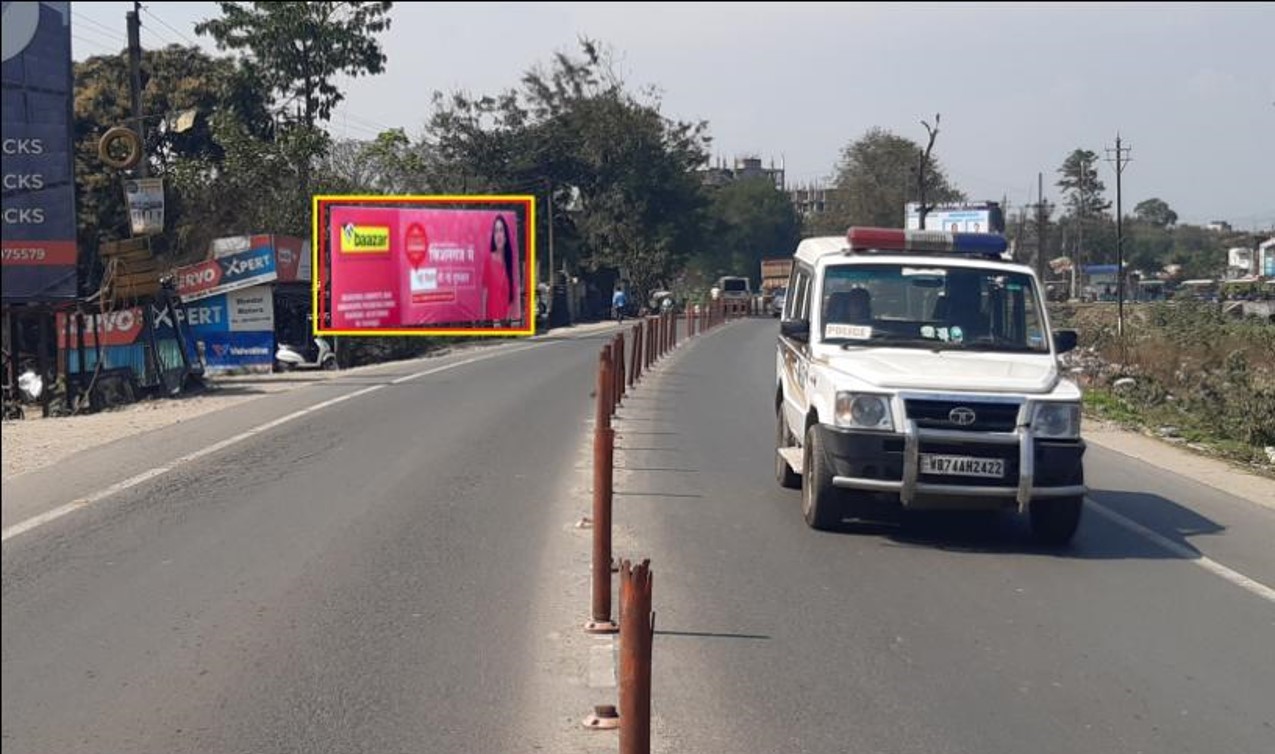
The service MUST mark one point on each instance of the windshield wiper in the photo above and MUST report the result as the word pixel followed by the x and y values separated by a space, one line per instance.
pixel 933 345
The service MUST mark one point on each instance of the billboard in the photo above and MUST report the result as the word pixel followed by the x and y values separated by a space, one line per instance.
pixel 234 331
pixel 985 217
pixel 39 242
pixel 240 269
pixel 421 269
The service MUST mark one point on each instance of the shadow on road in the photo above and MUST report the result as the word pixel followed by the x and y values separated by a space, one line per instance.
pixel 1009 533
pixel 707 635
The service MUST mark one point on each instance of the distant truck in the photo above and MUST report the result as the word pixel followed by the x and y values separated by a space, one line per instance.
pixel 775 274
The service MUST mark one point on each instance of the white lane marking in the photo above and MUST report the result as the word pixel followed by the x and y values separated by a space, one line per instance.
pixel 62 510
pixel 1186 553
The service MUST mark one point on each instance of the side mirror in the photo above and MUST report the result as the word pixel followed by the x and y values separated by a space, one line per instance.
pixel 797 329
pixel 1064 340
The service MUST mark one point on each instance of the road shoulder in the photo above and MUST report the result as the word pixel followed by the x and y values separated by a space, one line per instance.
pixel 1215 473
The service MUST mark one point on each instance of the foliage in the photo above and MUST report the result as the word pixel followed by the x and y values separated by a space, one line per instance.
pixel 176 81
pixel 1193 368
pixel 1079 182
pixel 299 48
pixel 622 176
pixel 877 178
pixel 1155 212
pixel 748 221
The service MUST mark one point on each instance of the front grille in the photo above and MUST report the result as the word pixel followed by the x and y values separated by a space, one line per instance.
pixel 989 417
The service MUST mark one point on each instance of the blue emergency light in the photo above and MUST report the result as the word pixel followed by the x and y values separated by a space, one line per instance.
pixel 927 242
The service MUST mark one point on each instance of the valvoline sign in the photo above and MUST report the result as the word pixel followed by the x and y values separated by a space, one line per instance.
pixel 227 273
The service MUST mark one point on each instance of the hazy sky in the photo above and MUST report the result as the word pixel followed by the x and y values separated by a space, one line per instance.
pixel 1190 86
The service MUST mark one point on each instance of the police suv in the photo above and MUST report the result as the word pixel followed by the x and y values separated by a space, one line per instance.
pixel 919 368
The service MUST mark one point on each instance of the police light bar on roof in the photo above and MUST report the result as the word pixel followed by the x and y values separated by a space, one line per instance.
pixel 926 241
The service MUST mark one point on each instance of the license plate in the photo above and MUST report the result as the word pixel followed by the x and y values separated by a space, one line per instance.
pixel 993 468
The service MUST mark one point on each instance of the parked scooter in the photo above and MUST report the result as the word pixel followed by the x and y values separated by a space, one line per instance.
pixel 320 356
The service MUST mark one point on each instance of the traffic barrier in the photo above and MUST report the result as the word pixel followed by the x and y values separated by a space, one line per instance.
pixel 603 462
pixel 619 369
pixel 637 633
pixel 636 372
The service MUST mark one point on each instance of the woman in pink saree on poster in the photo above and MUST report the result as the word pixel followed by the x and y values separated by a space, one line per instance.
pixel 498 274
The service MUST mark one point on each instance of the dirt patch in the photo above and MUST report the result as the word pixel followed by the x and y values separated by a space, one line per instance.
pixel 36 442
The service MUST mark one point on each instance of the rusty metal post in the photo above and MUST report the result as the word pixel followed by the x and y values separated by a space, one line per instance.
pixel 604 389
pixel 663 334
pixel 637 630
pixel 603 458
pixel 617 374
pixel 620 369
pixel 636 371
pixel 650 343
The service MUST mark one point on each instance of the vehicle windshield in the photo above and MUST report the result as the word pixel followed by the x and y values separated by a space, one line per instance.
pixel 737 285
pixel 932 306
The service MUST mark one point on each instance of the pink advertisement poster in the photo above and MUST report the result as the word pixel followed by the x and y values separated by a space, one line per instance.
pixel 410 267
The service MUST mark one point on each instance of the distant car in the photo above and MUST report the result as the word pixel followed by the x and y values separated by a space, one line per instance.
pixel 778 301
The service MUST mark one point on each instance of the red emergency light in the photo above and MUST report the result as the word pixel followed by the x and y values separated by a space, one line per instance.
pixel 926 241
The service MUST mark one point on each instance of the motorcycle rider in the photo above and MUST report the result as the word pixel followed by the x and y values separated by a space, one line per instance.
pixel 619 300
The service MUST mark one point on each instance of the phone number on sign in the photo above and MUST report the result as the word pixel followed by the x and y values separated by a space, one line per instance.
pixel 25 254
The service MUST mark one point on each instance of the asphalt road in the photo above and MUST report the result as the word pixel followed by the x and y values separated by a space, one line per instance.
pixel 931 634
pixel 399 572
pixel 361 578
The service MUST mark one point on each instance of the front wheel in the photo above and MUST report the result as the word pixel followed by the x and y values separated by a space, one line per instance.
pixel 818 505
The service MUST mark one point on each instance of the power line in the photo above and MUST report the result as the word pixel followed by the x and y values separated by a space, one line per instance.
pixel 99 27
pixel 169 26
pixel 99 45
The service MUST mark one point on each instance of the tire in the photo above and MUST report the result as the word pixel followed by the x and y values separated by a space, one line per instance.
pixel 1054 522
pixel 818 505
pixel 330 364
pixel 131 140
pixel 787 478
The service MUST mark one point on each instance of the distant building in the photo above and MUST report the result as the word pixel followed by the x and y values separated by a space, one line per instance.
pixel 743 169
pixel 809 199
pixel 1219 226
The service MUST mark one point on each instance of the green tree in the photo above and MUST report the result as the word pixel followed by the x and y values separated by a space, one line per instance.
pixel 621 175
pixel 388 164
pixel 182 88
pixel 1155 212
pixel 749 221
pixel 1080 185
pixel 876 179
pixel 298 49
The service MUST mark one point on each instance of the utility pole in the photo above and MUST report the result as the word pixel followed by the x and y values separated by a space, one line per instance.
pixel 1120 161
pixel 135 78
pixel 1077 268
pixel 549 193
pixel 1041 218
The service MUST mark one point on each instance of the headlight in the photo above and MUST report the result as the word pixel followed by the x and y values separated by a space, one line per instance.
pixel 864 411
pixel 1057 420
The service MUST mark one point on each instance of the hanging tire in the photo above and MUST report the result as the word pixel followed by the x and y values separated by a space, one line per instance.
pixel 132 140
pixel 787 478
pixel 818 504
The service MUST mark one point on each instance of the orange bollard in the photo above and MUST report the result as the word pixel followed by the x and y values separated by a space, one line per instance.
pixel 603 478
pixel 603 460
pixel 637 632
